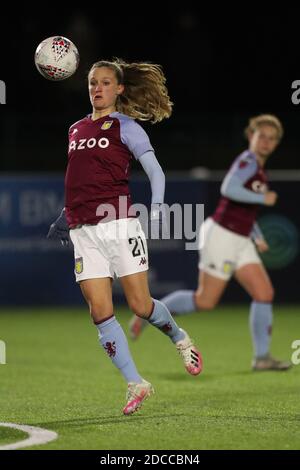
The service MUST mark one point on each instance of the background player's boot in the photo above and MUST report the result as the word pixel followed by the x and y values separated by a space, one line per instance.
pixel 136 394
pixel 136 326
pixel 269 363
pixel 191 356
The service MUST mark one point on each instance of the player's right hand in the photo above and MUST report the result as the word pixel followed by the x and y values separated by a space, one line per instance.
pixel 261 245
pixel 59 230
pixel 270 198
pixel 158 225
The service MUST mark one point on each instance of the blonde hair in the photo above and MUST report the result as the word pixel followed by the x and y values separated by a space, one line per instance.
pixel 262 120
pixel 145 96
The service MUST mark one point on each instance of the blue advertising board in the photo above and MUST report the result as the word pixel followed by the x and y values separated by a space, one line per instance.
pixel 37 271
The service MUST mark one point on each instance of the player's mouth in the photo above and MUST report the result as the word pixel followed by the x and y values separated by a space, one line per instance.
pixel 97 97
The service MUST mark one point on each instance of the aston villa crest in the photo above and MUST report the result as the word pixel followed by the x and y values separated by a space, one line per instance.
pixel 78 265
pixel 106 125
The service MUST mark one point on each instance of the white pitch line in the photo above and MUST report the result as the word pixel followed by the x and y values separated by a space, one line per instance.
pixel 36 436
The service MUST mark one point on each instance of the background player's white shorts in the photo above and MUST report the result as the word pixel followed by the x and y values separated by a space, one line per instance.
pixel 222 251
pixel 117 247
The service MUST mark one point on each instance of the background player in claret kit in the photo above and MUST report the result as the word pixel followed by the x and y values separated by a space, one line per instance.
pixel 101 147
pixel 228 249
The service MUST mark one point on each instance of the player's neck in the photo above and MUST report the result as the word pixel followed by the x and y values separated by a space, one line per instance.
pixel 261 159
pixel 97 114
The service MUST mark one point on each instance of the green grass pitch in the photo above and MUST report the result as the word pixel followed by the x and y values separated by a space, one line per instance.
pixel 57 377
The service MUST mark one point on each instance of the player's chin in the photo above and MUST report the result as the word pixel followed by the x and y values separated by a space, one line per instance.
pixel 266 153
pixel 97 102
pixel 97 106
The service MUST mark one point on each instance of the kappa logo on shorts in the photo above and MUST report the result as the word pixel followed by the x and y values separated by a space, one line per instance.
pixel 78 265
pixel 228 267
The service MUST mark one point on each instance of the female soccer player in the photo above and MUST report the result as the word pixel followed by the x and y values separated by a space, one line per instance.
pixel 108 240
pixel 228 248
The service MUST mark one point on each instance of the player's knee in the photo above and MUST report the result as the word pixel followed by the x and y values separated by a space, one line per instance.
pixel 203 303
pixel 100 310
pixel 141 307
pixel 265 296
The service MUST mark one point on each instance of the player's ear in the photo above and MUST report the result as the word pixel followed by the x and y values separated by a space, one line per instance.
pixel 120 89
pixel 249 135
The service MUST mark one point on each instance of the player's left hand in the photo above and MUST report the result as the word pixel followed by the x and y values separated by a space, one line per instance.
pixel 261 245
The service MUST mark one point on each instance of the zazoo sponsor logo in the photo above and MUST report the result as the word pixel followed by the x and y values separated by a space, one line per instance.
pixel 83 144
pixel 2 92
pixel 2 352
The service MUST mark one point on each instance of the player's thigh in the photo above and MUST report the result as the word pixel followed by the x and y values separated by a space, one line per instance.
pixel 136 290
pixel 98 295
pixel 219 250
pixel 209 291
pixel 255 280
pixel 128 251
pixel 91 259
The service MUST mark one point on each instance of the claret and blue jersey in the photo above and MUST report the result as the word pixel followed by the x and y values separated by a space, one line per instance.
pixel 242 190
pixel 99 159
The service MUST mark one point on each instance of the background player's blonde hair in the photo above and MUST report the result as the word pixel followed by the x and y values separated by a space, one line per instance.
pixel 262 120
pixel 145 96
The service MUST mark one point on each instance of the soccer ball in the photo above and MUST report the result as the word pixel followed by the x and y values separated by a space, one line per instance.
pixel 56 58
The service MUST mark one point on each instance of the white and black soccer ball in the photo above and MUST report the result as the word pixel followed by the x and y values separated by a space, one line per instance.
pixel 56 58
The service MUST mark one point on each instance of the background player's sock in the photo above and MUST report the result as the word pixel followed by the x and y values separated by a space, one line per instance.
pixel 114 341
pixel 162 319
pixel 261 326
pixel 180 302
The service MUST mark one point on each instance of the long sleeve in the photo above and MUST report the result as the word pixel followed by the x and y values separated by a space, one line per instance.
pixel 233 184
pixel 156 176
pixel 256 232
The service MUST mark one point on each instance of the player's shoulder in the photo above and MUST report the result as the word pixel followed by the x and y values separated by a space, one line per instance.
pixel 78 123
pixel 125 121
pixel 246 159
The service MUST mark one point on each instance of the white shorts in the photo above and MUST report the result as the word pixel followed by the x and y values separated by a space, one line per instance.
pixel 117 247
pixel 222 251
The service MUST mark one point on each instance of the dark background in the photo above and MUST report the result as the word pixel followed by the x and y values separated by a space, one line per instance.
pixel 222 67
